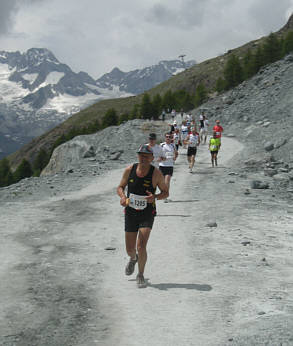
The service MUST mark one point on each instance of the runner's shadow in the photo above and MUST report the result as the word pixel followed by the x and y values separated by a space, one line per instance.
pixel 184 201
pixel 179 215
pixel 167 286
pixel 203 172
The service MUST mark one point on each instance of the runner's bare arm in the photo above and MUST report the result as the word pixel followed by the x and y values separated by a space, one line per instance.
pixel 159 182
pixel 122 185
pixel 176 154
pixel 186 141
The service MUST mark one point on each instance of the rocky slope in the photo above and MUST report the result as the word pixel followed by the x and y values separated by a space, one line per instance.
pixel 260 113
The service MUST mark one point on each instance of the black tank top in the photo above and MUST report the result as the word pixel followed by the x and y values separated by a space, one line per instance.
pixel 139 186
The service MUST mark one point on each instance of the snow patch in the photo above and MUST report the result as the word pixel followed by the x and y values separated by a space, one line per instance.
pixel 114 93
pixel 65 103
pixel 52 78
pixel 178 70
pixel 31 77
pixel 10 91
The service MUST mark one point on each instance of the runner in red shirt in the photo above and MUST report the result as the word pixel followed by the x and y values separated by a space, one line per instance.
pixel 218 129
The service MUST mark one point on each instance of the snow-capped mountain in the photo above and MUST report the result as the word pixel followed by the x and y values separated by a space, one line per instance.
pixel 140 80
pixel 37 92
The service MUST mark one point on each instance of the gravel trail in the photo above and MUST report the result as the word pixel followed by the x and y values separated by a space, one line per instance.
pixel 63 258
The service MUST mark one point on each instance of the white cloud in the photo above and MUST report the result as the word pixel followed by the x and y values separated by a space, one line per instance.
pixel 96 36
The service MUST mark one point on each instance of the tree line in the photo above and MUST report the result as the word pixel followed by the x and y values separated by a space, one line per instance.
pixel 239 69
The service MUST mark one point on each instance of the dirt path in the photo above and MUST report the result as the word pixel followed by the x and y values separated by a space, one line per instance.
pixel 228 285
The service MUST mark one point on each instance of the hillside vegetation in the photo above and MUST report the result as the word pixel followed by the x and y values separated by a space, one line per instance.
pixel 198 82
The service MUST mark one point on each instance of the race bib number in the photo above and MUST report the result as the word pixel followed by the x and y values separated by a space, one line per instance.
pixel 137 202
pixel 218 133
pixel 169 155
pixel 193 141
pixel 214 147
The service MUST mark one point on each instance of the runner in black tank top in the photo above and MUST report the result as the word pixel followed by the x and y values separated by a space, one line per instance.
pixel 139 186
pixel 141 179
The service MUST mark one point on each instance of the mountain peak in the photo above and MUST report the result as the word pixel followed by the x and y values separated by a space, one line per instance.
pixel 38 55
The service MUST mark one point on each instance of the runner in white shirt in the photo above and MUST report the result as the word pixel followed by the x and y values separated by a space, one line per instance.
pixel 192 141
pixel 204 130
pixel 176 138
pixel 158 152
pixel 184 132
pixel 166 167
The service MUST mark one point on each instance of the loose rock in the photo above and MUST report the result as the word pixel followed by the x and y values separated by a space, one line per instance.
pixel 258 184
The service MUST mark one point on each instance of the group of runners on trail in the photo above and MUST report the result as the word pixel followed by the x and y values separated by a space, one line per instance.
pixel 154 170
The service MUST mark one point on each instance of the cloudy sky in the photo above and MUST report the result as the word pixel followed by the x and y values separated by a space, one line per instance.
pixel 94 36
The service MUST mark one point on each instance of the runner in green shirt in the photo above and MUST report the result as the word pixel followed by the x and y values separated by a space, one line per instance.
pixel 214 147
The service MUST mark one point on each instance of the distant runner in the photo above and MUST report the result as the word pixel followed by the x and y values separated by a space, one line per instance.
pixel 218 129
pixel 193 142
pixel 184 132
pixel 166 167
pixel 173 114
pixel 204 130
pixel 157 150
pixel 214 147
pixel 141 180
pixel 177 138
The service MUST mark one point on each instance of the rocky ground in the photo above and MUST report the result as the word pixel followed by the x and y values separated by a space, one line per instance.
pixel 220 254
pixel 219 270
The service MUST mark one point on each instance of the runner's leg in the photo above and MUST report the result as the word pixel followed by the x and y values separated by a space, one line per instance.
pixel 167 180
pixel 212 158
pixel 130 242
pixel 143 237
pixel 192 159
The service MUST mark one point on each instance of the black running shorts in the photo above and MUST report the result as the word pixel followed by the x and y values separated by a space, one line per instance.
pixel 134 223
pixel 214 152
pixel 166 170
pixel 191 151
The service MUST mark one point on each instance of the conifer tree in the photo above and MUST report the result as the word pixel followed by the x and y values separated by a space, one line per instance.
pixel 288 43
pixel 271 49
pixel 200 95
pixel 157 106
pixel 257 60
pixel 135 112
pixel 233 72
pixel 248 67
pixel 146 108
pixel 24 170
pixel 41 160
pixel 123 118
pixel 186 103
pixel 62 139
pixel 220 84
pixel 110 118
pixel 169 101
pixel 6 176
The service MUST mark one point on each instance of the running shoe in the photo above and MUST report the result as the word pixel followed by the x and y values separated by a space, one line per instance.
pixel 140 281
pixel 129 269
